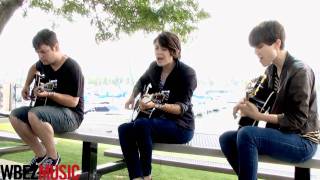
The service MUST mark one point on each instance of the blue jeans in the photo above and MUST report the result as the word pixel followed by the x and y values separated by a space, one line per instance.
pixel 136 139
pixel 242 148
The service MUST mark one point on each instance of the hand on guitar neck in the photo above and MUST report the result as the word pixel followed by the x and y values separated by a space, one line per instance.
pixel 248 109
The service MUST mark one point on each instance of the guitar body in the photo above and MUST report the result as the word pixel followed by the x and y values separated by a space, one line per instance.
pixel 262 105
pixel 157 98
pixel 263 99
pixel 39 82
pixel 136 110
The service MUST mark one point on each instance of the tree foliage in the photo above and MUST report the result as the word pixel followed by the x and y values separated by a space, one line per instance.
pixel 113 17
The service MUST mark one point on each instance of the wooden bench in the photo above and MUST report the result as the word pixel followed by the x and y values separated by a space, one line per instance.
pixel 96 130
pixel 208 145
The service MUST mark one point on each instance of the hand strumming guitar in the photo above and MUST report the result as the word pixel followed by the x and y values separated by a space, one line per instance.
pixel 40 92
pixel 248 109
pixel 146 102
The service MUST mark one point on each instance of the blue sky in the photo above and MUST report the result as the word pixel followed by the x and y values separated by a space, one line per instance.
pixel 218 51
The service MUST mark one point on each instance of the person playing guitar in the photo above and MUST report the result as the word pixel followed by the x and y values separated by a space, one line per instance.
pixel 169 117
pixel 60 84
pixel 40 87
pixel 145 97
pixel 292 127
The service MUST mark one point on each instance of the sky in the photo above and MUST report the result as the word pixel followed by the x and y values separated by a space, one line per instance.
pixel 218 50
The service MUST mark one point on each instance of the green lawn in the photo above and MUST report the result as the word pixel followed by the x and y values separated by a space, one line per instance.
pixel 70 151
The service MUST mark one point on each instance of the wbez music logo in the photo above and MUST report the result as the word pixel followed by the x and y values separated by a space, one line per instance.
pixel 43 173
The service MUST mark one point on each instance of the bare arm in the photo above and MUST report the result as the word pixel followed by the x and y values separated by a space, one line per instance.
pixel 26 88
pixel 30 76
pixel 63 99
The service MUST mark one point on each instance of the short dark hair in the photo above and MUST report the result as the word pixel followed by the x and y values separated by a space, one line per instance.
pixel 267 32
pixel 171 41
pixel 45 36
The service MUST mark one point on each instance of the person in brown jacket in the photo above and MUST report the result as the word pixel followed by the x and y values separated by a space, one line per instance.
pixel 292 129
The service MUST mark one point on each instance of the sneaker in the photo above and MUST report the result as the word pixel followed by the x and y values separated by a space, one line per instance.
pixel 51 162
pixel 34 164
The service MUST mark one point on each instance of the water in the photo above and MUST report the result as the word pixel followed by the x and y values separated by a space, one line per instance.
pixel 216 122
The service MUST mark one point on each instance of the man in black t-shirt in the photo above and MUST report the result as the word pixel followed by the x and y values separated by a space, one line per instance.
pixel 58 100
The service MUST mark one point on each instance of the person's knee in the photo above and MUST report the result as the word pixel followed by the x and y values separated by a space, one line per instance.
pixel 142 128
pixel 225 139
pixel 222 139
pixel 141 124
pixel 13 116
pixel 246 133
pixel 124 129
pixel 13 113
pixel 13 120
pixel 32 118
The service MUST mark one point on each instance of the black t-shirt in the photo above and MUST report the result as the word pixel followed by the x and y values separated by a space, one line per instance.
pixel 70 81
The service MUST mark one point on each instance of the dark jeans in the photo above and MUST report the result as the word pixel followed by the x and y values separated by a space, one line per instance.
pixel 242 148
pixel 136 139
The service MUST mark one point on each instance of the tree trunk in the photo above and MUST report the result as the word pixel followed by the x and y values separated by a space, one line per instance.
pixel 7 8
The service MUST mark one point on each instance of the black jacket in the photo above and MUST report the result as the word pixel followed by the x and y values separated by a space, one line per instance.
pixel 181 82
pixel 296 99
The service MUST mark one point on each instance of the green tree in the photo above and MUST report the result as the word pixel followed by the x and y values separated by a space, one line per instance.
pixel 113 17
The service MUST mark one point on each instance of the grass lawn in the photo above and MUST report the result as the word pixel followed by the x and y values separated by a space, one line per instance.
pixel 70 151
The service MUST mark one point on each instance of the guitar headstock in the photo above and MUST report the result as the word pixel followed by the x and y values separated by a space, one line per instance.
pixel 254 85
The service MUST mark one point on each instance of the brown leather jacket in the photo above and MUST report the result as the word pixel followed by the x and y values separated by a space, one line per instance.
pixel 296 99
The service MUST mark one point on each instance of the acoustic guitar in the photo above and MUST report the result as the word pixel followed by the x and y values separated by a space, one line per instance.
pixel 158 98
pixel 43 86
pixel 261 96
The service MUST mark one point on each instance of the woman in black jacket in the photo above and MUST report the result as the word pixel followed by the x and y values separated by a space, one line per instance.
pixel 168 119
pixel 292 130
